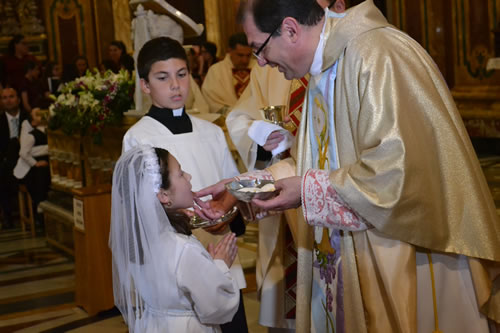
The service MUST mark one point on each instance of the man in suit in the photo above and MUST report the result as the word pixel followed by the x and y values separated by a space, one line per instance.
pixel 10 127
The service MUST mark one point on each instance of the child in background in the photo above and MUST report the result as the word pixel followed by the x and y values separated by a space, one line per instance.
pixel 199 146
pixel 32 167
pixel 163 278
pixel 53 77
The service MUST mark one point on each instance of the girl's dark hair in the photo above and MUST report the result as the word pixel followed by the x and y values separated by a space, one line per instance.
pixel 179 221
pixel 13 42
pixel 158 49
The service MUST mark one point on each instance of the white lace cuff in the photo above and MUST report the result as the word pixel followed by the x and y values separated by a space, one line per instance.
pixel 323 207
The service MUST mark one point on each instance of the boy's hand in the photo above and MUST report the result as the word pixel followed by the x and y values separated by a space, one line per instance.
pixel 225 249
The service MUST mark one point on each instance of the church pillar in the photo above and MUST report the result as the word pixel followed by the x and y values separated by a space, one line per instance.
pixel 122 18
pixel 220 23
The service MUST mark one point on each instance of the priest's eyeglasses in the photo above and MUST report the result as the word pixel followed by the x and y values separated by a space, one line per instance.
pixel 256 53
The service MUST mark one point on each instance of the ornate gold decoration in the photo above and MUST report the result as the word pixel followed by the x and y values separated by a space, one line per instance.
pixel 20 17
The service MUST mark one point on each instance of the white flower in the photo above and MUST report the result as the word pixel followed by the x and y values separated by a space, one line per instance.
pixel 87 81
pixel 52 112
pixel 87 100
pixel 67 99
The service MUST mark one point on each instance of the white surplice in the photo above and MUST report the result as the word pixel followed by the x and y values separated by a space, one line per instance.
pixel 218 86
pixel 203 153
pixel 195 100
pixel 267 87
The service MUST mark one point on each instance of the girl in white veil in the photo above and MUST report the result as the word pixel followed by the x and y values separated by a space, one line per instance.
pixel 163 278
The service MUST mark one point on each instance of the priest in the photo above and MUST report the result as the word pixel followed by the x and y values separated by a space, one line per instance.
pixel 397 223
pixel 227 79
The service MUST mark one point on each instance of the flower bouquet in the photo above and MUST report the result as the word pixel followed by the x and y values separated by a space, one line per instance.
pixel 91 102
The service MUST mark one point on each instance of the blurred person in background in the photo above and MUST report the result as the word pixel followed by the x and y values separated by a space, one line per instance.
pixel 119 58
pixel 10 123
pixel 15 61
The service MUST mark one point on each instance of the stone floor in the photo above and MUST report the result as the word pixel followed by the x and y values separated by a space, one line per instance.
pixel 37 286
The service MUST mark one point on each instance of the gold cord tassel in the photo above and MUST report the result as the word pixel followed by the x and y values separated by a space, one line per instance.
pixel 434 301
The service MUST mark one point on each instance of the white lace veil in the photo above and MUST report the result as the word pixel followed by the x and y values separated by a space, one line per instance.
pixel 139 225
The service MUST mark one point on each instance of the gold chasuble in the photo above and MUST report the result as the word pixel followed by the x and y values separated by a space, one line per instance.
pixel 395 177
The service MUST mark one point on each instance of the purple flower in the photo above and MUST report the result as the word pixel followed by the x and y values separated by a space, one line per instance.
pixel 329 299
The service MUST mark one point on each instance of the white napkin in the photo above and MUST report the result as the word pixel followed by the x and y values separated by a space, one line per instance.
pixel 260 130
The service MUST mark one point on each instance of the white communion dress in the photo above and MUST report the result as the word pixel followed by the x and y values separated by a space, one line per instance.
pixel 198 294
pixel 163 281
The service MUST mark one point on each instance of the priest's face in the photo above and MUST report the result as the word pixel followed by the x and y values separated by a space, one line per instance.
pixel 280 50
pixel 168 83
pixel 240 56
pixel 179 193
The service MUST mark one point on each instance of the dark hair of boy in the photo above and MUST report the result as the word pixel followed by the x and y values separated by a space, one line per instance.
pixel 238 38
pixel 179 221
pixel 158 49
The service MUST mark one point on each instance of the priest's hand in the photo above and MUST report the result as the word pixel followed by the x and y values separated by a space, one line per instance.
pixel 222 201
pixel 273 140
pixel 213 190
pixel 289 195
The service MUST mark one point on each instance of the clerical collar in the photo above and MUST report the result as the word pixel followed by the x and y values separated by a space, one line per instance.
pixel 318 55
pixel 177 112
pixel 177 121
